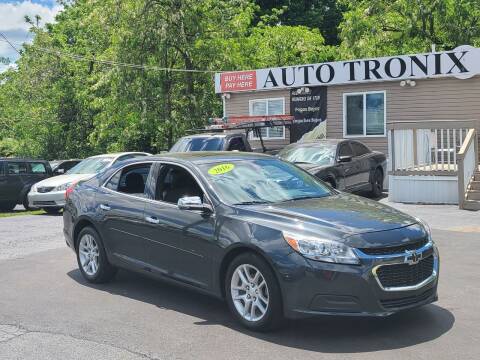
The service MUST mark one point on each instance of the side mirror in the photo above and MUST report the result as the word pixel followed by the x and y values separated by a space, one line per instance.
pixel 59 172
pixel 344 158
pixel 193 203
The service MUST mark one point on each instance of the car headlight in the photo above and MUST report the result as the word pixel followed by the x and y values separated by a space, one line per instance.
pixel 321 249
pixel 63 187
pixel 427 229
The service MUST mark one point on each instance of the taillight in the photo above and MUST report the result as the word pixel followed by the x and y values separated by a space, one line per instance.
pixel 70 190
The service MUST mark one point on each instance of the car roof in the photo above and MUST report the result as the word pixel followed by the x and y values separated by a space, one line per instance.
pixel 22 159
pixel 118 154
pixel 201 157
pixel 212 134
pixel 314 143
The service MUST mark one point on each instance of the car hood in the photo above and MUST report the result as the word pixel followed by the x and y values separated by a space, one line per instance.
pixel 338 216
pixel 312 167
pixel 63 179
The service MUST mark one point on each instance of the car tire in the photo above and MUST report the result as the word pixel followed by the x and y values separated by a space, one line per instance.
pixel 257 307
pixel 6 206
pixel 92 258
pixel 331 182
pixel 25 203
pixel 377 183
pixel 52 210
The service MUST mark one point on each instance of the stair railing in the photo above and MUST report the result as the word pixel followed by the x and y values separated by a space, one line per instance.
pixel 467 162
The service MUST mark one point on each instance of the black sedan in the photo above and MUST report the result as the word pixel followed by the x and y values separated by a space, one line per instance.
pixel 265 235
pixel 346 165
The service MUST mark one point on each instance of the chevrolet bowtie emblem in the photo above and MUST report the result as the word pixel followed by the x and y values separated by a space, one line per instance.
pixel 412 257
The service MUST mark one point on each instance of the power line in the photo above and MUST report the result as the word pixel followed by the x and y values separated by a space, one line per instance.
pixel 109 62
pixel 9 43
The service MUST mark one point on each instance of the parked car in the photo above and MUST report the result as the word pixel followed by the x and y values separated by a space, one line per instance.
pixel 50 193
pixel 212 142
pixel 272 239
pixel 60 167
pixel 346 165
pixel 16 178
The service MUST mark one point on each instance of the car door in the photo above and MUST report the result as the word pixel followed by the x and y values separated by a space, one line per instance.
pixel 181 240
pixel 121 204
pixel 17 172
pixel 348 168
pixel 3 182
pixel 37 172
pixel 362 160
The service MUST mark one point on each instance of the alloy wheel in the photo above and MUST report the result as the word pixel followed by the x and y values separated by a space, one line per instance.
pixel 249 292
pixel 88 253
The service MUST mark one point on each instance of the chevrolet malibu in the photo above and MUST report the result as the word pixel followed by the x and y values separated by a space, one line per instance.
pixel 269 238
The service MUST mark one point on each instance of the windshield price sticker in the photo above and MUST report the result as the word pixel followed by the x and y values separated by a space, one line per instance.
pixel 221 169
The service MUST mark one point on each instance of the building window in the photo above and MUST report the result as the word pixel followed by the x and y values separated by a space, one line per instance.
pixel 268 107
pixel 364 114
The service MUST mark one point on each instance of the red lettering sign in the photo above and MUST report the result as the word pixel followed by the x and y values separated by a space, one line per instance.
pixel 238 81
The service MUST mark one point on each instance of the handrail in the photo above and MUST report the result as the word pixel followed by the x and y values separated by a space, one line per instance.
pixel 466 143
pixel 470 140
pixel 432 124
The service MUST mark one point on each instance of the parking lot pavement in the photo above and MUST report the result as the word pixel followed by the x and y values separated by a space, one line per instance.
pixel 47 311
pixel 28 234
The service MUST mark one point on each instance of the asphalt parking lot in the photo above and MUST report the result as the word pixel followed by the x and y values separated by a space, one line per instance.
pixel 47 310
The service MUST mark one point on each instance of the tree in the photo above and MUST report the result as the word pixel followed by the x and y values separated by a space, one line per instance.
pixel 387 27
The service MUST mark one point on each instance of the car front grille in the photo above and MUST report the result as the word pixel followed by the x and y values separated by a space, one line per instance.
pixel 407 301
pixel 391 250
pixel 45 189
pixel 399 275
pixel 44 203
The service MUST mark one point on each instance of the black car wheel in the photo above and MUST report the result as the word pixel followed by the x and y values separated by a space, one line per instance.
pixel 7 206
pixel 92 259
pixel 377 183
pixel 25 202
pixel 253 294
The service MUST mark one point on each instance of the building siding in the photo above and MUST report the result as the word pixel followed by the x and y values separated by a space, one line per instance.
pixel 238 105
pixel 431 99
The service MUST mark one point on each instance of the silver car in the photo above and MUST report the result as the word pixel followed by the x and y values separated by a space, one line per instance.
pixel 49 194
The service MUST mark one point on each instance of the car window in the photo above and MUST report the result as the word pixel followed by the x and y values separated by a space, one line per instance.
pixel 345 150
pixel 359 149
pixel 237 144
pixel 91 165
pixel 17 168
pixel 262 181
pixel 130 180
pixel 1 168
pixel 198 144
pixel 174 182
pixel 298 154
pixel 38 168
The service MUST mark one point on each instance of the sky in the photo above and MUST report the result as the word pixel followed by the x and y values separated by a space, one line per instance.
pixel 13 25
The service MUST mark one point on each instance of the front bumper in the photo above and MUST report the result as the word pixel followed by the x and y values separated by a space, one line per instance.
pixel 318 288
pixel 55 199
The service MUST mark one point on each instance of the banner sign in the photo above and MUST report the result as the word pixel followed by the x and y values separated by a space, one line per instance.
pixel 462 62
pixel 311 105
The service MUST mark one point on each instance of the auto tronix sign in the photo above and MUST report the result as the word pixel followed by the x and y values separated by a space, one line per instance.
pixel 462 62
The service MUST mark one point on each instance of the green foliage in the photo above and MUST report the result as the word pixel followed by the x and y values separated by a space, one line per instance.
pixel 55 105
pixel 387 27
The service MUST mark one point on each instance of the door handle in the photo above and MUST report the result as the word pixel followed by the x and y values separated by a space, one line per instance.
pixel 105 207
pixel 152 220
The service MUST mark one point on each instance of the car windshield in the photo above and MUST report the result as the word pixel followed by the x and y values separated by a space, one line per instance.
pixel 246 182
pixel 198 144
pixel 319 155
pixel 91 165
